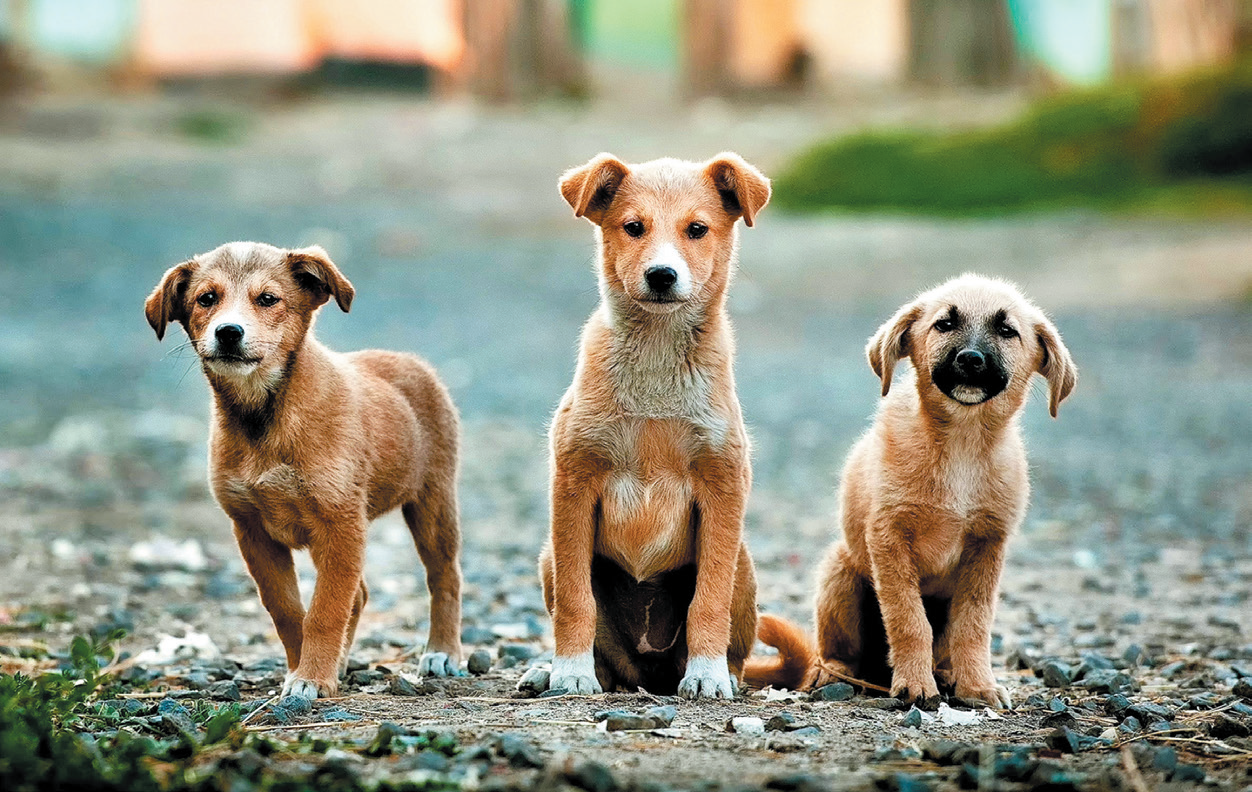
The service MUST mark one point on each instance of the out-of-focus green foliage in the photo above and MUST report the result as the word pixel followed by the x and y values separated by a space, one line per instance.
pixel 1166 144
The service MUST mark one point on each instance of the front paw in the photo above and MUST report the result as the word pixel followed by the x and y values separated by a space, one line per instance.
pixel 989 693
pixel 914 685
pixel 575 675
pixel 438 664
pixel 707 677
pixel 295 685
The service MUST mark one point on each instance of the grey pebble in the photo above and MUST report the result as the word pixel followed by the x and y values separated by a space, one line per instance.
pixel 224 691
pixel 399 686
pixel 479 661
pixel 839 691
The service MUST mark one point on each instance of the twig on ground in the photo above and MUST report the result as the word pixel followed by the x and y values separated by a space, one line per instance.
pixel 259 709
pixel 303 726
pixel 854 681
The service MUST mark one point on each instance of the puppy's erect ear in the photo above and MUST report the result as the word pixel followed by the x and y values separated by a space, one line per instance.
pixel 314 271
pixel 590 189
pixel 168 301
pixel 743 188
pixel 1055 364
pixel 891 343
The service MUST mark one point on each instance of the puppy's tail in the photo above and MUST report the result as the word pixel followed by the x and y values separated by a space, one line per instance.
pixel 796 655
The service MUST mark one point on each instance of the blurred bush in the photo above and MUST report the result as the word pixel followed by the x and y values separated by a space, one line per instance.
pixel 1184 143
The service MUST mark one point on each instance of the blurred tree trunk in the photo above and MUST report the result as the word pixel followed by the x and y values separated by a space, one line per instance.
pixel 520 49
pixel 706 42
pixel 961 42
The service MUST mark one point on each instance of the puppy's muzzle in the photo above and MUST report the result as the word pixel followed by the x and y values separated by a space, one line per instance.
pixel 971 375
pixel 228 337
pixel 661 280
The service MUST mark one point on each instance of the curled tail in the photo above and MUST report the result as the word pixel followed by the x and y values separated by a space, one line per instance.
pixel 796 655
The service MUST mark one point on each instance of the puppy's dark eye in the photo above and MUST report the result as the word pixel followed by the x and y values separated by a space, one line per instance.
pixel 1005 331
pixel 945 325
pixel 697 230
pixel 265 300
pixel 207 300
pixel 634 228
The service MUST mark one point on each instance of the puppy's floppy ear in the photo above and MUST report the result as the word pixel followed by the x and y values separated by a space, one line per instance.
pixel 1055 364
pixel 590 189
pixel 168 301
pixel 743 188
pixel 314 271
pixel 892 342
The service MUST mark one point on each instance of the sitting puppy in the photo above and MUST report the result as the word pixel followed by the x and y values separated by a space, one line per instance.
pixel 646 574
pixel 308 445
pixel 930 494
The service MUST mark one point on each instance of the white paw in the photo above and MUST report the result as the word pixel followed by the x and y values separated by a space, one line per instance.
pixel 707 677
pixel 575 675
pixel 304 688
pixel 438 664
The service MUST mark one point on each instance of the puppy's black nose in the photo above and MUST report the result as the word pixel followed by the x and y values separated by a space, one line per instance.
pixel 228 335
pixel 970 361
pixel 660 279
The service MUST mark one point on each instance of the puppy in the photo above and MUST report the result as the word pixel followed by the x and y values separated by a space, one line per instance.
pixel 646 575
pixel 930 494
pixel 308 445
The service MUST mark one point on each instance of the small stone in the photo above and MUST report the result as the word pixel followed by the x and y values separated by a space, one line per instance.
pixel 912 718
pixel 1059 720
pixel 554 693
pixel 366 676
pixel 839 691
pixel 338 714
pixel 629 721
pixel 381 744
pixel 1131 725
pixel 508 661
pixel 805 731
pixel 663 715
pixel 1186 772
pixel 175 717
pixel 1104 681
pixel 1064 740
pixel 296 705
pixel 780 722
pixel 399 686
pixel 1243 689
pixel 518 751
pixel 592 776
pixel 1056 674
pixel 1057 704
pixel 746 725
pixel 949 752
pixel 1148 712
pixel 1160 727
pixel 479 662
pixel 1116 704
pixel 1225 726
pixel 1134 656
pixel 225 690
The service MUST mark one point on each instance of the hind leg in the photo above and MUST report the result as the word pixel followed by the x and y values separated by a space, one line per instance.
pixel 433 522
pixel 362 597
pixel 742 615
pixel 840 590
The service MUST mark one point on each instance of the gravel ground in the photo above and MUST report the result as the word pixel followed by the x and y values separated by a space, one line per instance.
pixel 1136 553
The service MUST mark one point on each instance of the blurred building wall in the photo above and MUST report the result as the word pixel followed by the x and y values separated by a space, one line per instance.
pixel 855 41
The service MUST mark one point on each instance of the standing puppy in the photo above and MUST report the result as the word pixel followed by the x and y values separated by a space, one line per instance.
pixel 308 445
pixel 930 494
pixel 646 574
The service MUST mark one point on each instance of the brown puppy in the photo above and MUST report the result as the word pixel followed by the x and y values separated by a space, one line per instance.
pixel 646 574
pixel 308 445
pixel 929 496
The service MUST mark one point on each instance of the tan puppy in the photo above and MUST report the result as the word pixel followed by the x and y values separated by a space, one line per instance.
pixel 646 574
pixel 307 446
pixel 929 496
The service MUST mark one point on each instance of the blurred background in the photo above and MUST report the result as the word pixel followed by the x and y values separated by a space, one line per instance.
pixel 1099 152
